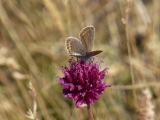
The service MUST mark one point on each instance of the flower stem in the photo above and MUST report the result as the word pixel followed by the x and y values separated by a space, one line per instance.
pixel 90 114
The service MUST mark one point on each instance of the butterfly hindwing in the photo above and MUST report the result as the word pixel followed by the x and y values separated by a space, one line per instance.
pixel 75 47
pixel 87 37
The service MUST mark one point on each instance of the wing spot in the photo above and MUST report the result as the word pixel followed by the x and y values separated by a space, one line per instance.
pixel 69 46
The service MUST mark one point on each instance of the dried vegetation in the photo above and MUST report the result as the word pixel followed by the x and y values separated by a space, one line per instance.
pixel 32 51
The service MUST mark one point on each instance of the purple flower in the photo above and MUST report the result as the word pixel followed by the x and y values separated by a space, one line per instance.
pixel 83 82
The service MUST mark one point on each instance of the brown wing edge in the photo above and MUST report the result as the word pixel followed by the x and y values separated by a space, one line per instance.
pixel 93 53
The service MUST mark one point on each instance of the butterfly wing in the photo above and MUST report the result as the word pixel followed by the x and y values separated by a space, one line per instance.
pixel 87 37
pixel 93 53
pixel 75 47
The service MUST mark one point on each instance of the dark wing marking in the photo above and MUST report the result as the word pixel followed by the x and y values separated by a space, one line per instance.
pixel 93 53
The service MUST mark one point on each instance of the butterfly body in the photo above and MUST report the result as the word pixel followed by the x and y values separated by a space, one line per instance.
pixel 82 49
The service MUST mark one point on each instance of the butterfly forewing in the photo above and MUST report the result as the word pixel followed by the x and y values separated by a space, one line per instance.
pixel 75 47
pixel 93 53
pixel 87 37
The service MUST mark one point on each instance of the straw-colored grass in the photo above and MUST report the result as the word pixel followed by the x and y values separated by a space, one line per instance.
pixel 32 52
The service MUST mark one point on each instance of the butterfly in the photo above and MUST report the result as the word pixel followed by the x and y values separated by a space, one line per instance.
pixel 82 48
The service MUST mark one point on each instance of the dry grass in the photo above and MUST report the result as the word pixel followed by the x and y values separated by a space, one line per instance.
pixel 32 35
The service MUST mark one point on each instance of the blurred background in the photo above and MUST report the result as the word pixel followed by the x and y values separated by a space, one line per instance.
pixel 32 49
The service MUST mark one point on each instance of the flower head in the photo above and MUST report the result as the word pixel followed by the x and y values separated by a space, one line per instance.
pixel 83 82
